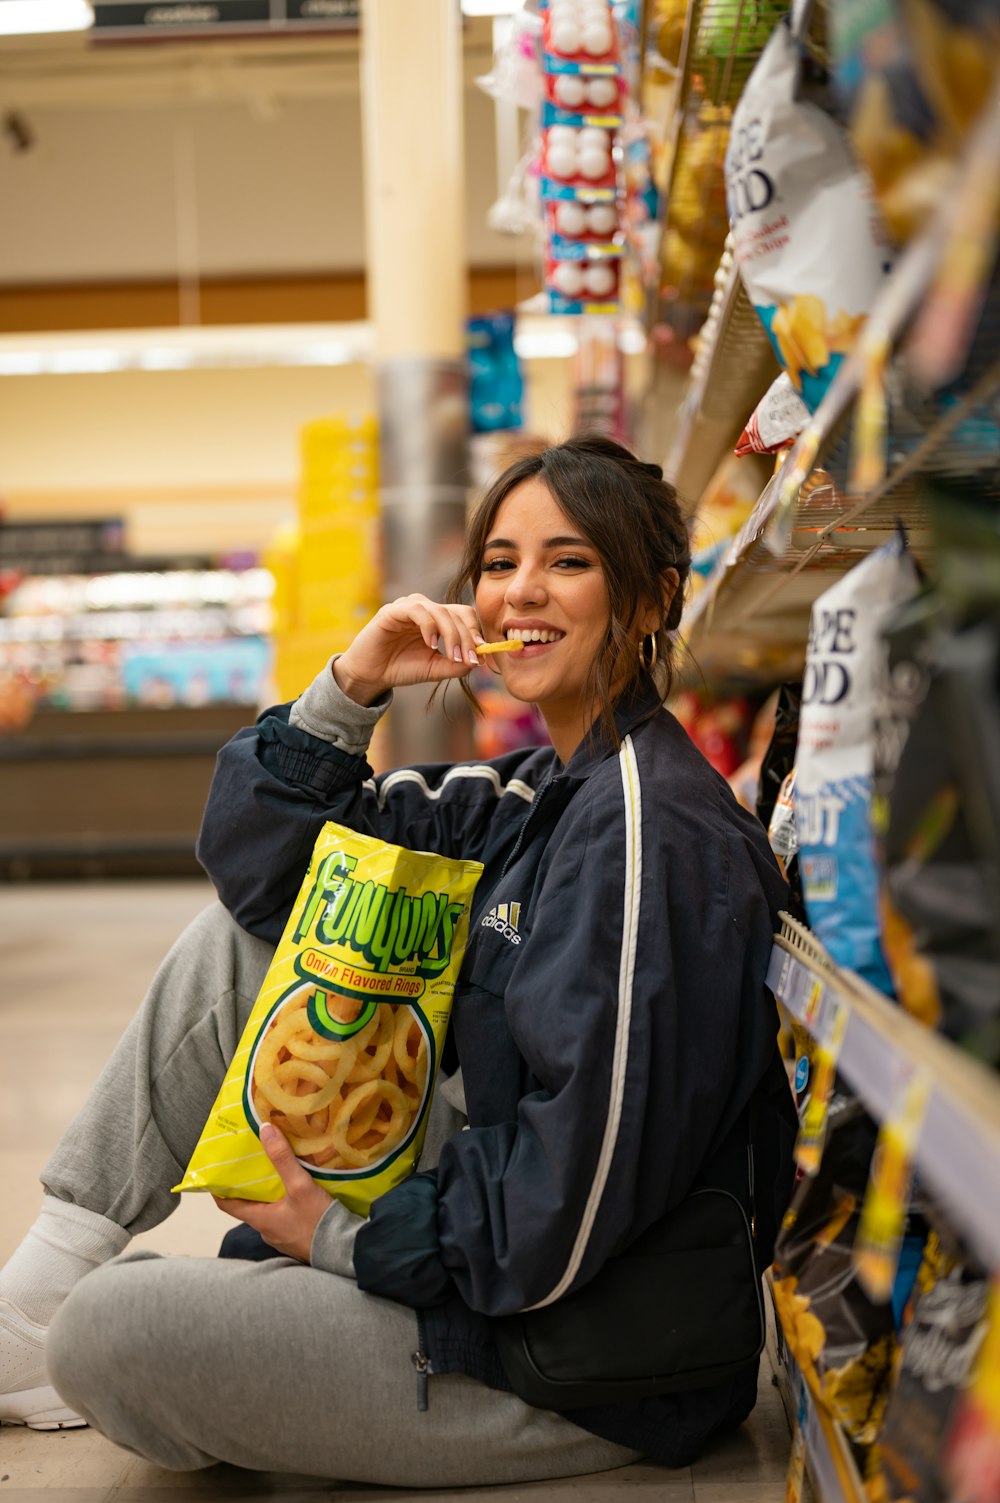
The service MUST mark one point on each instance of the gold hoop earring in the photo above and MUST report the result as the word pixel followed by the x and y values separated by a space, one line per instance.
pixel 648 663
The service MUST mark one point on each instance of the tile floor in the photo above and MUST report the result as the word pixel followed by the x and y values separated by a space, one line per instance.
pixel 74 961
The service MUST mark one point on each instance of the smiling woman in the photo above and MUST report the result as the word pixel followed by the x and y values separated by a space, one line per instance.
pixel 611 1040
pixel 610 547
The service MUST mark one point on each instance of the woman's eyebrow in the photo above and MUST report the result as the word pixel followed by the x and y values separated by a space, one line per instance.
pixel 548 543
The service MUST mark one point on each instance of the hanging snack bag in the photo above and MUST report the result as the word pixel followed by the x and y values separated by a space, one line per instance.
pixel 914 77
pixel 341 1048
pixel 972 1450
pixel 938 823
pixel 776 421
pixel 942 1336
pixel 835 755
pixel 809 243
pixel 843 1341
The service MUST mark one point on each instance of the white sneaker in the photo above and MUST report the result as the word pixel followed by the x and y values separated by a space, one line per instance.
pixel 26 1396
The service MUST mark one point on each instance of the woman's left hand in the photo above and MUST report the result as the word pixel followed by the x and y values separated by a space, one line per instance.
pixel 287 1224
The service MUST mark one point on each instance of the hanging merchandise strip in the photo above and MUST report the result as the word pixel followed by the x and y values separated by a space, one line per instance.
pixel 955 1132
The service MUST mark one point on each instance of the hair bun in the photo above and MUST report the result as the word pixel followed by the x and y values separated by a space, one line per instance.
pixel 655 470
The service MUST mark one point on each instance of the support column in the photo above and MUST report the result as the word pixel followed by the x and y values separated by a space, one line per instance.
pixel 411 98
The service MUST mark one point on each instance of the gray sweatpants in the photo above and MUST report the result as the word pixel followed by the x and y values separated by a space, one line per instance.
pixel 272 1366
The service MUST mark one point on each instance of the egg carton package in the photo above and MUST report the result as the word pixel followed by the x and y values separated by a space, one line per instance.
pixel 582 286
pixel 577 231
pixel 578 162
pixel 586 112
pixel 580 39
pixel 595 98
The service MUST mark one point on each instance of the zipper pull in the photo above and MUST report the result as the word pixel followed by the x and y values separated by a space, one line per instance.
pixel 423 1367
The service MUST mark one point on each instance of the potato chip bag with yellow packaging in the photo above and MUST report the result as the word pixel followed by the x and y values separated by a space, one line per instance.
pixel 342 1046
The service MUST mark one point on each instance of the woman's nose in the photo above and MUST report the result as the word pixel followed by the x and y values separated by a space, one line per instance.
pixel 524 588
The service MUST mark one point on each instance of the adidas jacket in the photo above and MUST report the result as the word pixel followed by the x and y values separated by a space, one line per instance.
pixel 610 1019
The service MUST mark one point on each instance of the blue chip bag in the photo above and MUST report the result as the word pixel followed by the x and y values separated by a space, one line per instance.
pixel 834 759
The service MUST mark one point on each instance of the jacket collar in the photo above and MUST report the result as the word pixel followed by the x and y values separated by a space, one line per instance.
pixel 630 710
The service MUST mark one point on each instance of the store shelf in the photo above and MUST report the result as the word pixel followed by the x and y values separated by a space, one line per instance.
pixel 138 635
pixel 829 1461
pixel 958 1144
pixel 749 624
pixel 733 368
pixel 722 42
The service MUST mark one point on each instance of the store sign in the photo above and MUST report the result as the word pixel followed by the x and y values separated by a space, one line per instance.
pixel 125 20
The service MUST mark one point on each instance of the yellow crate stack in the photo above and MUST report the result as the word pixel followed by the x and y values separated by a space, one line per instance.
pixel 327 568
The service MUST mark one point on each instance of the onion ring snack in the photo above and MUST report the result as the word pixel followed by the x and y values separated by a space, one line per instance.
pixel 509 644
pixel 341 1048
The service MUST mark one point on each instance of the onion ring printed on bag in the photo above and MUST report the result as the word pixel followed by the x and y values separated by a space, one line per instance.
pixel 343 1103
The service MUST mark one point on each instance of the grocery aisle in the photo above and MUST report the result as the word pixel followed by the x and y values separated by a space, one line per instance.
pixel 74 960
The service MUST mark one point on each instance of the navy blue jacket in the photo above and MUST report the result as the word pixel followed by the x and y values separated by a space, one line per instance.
pixel 610 1019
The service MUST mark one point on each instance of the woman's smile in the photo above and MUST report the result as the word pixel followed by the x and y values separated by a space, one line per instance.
pixel 542 584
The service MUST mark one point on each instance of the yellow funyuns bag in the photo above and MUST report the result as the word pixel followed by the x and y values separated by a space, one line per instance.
pixel 342 1046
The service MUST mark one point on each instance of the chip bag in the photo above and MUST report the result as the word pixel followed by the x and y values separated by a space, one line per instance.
pixel 776 421
pixel 341 1049
pixel 809 242
pixel 914 76
pixel 943 1332
pixel 843 1342
pixel 835 758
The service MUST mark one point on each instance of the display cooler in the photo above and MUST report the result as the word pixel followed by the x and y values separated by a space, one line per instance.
pixel 123 677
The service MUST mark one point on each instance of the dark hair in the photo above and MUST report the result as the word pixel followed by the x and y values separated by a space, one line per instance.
pixel 630 515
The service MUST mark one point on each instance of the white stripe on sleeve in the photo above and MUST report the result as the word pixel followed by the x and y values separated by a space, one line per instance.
pixel 486 774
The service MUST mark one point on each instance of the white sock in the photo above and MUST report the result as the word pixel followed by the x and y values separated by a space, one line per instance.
pixel 65 1243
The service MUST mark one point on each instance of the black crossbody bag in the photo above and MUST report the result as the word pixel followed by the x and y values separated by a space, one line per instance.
pixel 680 1308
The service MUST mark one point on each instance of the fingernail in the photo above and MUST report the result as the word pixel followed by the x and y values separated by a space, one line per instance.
pixel 268 1133
pixel 471 656
pixel 456 653
pixel 434 642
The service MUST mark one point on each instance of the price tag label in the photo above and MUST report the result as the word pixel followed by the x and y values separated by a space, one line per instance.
pixel 816 1112
pixel 887 1199
pixel 783 975
pixel 812 1004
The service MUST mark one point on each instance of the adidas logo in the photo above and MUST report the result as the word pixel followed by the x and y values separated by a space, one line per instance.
pixel 504 919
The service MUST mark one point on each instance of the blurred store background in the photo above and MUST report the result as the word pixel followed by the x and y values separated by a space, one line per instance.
pixel 189 428
pixel 283 282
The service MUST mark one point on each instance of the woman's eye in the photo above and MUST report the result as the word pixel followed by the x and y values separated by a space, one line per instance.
pixel 497 565
pixel 572 562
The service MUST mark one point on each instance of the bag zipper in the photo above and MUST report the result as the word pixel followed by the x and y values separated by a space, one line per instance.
pixel 422 1363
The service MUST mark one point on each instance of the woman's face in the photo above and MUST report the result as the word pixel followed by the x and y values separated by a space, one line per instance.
pixel 541 580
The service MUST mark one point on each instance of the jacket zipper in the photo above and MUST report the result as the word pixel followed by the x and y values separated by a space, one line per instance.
pixel 539 795
pixel 422 1363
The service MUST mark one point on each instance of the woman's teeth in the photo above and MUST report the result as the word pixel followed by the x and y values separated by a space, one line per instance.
pixel 517 635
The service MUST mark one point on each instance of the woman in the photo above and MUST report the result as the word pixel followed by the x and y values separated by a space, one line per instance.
pixel 611 1029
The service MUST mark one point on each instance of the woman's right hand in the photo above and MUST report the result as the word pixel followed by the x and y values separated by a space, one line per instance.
pixel 411 640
